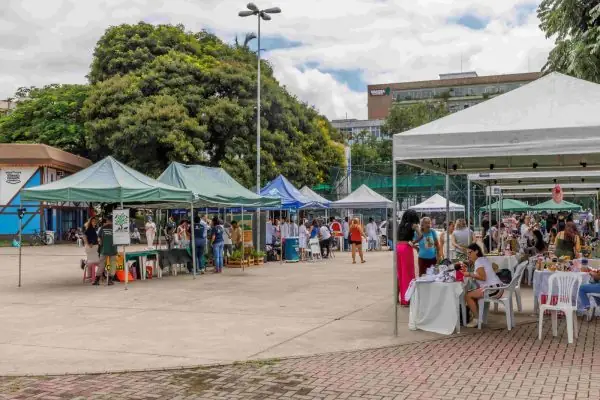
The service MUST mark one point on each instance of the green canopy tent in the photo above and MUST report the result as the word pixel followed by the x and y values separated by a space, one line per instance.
pixel 213 187
pixel 108 181
pixel 507 205
pixel 551 205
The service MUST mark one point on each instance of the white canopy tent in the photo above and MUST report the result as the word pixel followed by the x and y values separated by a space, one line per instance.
pixel 437 203
pixel 537 177
pixel 363 197
pixel 548 125
pixel 311 194
pixel 542 194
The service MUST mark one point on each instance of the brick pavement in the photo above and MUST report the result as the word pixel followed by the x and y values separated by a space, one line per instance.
pixel 488 365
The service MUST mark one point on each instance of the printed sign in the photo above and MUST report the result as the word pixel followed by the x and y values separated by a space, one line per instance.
pixel 121 227
pixel 380 92
pixel 12 177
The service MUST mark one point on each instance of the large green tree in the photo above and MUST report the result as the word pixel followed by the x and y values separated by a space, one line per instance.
pixel 575 25
pixel 49 115
pixel 160 94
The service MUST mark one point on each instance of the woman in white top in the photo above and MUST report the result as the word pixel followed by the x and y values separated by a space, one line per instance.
pixel 150 232
pixel 302 238
pixel 484 277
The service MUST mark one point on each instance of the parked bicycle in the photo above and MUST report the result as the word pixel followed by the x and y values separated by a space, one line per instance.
pixel 40 239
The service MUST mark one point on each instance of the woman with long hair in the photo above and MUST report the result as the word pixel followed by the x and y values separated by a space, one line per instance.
pixel 405 260
pixel 90 241
pixel 356 235
pixel 567 242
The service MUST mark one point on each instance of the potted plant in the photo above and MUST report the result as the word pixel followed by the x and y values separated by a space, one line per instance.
pixel 235 260
pixel 249 255
pixel 259 257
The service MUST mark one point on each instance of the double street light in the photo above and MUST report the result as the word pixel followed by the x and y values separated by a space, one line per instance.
pixel 261 14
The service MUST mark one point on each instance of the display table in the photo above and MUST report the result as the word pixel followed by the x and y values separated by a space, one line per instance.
pixel 142 257
pixel 434 307
pixel 540 285
pixel 505 262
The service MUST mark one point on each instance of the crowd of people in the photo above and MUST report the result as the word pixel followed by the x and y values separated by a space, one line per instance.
pixel 526 235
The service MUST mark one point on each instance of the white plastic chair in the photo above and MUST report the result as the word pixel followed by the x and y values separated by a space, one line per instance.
pixel 564 286
pixel 593 298
pixel 505 300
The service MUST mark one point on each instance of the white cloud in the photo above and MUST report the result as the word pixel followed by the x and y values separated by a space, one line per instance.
pixel 46 41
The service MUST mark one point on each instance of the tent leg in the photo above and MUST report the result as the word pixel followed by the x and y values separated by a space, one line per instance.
pixel 447 211
pixel 243 250
pixel 395 239
pixel 489 216
pixel 20 238
pixel 193 242
pixel 468 208
pixel 125 266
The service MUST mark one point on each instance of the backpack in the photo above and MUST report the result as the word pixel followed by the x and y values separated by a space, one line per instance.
pixel 505 276
pixel 200 229
pixel 218 233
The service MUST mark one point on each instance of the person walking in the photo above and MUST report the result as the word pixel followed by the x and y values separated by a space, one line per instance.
pixel 372 229
pixel 90 241
pixel 108 252
pixel 217 244
pixel 200 232
pixel 405 260
pixel 302 239
pixel 150 232
pixel 355 236
pixel 236 236
pixel 325 240
pixel 346 232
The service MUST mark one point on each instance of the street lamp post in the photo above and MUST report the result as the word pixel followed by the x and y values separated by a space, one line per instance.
pixel 261 14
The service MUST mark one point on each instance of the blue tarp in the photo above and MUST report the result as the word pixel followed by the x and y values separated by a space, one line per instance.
pixel 290 196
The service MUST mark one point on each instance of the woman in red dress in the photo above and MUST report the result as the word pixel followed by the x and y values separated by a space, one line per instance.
pixel 405 256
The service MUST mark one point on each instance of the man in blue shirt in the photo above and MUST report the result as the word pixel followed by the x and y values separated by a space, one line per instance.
pixel 200 232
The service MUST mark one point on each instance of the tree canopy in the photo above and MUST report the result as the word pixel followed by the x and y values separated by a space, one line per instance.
pixel 49 115
pixel 159 94
pixel 575 25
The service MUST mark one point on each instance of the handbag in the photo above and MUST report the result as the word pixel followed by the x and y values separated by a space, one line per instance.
pixel 92 255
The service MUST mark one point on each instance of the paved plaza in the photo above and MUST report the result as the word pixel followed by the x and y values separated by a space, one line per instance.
pixel 308 331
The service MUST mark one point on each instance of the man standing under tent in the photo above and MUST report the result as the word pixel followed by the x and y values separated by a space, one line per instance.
pixel 200 234
pixel 269 232
pixel 372 236
pixel 108 251
pixel 293 231
pixel 346 232
pixel 236 236
pixel 324 240
pixel 285 229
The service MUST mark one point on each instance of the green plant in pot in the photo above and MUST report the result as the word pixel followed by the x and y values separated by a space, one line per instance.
pixel 236 256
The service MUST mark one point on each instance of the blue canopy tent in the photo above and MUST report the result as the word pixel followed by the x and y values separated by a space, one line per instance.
pixel 291 197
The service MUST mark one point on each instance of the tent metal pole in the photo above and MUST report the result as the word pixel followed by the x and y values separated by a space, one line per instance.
pixel 395 239
pixel 489 217
pixel 468 208
pixel 193 241
pixel 125 266
pixel 500 222
pixel 20 236
pixel 243 249
pixel 447 210
pixel 158 226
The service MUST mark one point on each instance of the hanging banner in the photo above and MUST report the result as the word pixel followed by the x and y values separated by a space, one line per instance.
pixel 121 227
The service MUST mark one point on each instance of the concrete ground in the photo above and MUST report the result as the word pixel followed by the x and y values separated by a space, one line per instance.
pixel 54 324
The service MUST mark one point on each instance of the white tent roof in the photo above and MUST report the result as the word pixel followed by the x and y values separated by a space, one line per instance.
pixel 363 197
pixel 548 187
pixel 308 192
pixel 551 123
pixel 581 193
pixel 538 177
pixel 437 203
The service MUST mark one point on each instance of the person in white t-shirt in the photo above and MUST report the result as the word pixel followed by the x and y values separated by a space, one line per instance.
pixel 346 232
pixel 484 277
pixel 150 232
pixel 269 232
pixel 372 236
pixel 325 240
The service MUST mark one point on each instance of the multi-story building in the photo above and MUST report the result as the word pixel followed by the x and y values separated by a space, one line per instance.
pixel 6 106
pixel 460 90
pixel 351 128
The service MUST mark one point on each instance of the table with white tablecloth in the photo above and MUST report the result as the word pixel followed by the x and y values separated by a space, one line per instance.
pixel 540 285
pixel 505 262
pixel 434 307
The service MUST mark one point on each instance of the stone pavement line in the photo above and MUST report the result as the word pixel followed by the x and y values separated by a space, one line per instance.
pixel 490 365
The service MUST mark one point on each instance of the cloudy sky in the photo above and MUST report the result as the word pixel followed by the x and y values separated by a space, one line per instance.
pixel 324 51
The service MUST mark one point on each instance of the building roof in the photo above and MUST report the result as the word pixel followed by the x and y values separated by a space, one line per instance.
pixel 25 154
pixel 479 80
